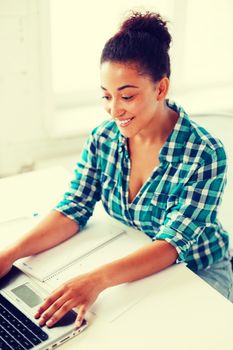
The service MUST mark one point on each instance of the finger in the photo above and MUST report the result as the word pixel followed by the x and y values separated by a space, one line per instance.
pixel 81 314
pixel 52 309
pixel 48 301
pixel 66 307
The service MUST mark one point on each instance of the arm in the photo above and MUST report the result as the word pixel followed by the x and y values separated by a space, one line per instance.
pixel 192 216
pixel 52 230
pixel 145 261
pixel 71 215
pixel 83 290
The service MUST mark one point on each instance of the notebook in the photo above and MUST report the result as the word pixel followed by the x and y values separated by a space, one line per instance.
pixel 54 261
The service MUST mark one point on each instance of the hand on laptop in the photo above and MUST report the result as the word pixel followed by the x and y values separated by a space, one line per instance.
pixel 80 292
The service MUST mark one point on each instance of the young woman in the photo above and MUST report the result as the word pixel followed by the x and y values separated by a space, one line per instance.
pixel 152 167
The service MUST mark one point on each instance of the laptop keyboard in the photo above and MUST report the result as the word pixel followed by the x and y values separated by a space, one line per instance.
pixel 17 331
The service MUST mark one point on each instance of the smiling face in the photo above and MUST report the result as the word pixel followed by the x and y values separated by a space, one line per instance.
pixel 133 100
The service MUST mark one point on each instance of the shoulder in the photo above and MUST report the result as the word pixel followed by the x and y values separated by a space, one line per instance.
pixel 210 146
pixel 199 144
pixel 202 135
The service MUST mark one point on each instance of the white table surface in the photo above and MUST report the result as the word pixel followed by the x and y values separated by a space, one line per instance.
pixel 180 311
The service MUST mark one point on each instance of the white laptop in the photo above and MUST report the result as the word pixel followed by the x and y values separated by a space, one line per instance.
pixel 20 297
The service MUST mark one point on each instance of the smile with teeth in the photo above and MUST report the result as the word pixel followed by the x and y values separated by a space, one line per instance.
pixel 125 122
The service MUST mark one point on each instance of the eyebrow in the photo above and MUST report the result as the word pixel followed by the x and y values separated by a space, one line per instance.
pixel 122 87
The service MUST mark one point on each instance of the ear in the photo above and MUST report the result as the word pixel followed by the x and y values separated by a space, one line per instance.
pixel 162 88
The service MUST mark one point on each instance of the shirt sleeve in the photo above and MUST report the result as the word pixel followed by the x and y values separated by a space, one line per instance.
pixel 196 206
pixel 79 202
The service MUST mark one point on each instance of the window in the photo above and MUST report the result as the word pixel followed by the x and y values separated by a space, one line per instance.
pixel 201 38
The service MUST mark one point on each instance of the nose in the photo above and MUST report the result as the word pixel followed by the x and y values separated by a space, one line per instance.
pixel 115 109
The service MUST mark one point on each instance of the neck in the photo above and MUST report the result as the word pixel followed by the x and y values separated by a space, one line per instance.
pixel 158 130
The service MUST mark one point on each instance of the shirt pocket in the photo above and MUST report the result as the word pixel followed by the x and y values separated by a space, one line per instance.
pixel 161 204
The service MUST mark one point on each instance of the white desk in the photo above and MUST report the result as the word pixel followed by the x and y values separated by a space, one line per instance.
pixel 179 312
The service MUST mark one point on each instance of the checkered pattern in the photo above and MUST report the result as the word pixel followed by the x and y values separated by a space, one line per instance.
pixel 178 203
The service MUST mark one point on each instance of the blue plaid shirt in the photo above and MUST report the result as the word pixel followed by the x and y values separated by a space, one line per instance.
pixel 178 203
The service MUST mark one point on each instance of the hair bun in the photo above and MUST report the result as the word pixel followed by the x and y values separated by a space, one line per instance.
pixel 151 23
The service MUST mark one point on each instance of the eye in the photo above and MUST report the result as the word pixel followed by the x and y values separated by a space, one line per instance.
pixel 106 97
pixel 127 97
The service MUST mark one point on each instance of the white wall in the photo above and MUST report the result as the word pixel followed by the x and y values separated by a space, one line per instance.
pixel 19 82
pixel 24 90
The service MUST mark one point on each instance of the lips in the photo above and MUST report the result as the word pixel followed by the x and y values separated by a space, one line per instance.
pixel 124 122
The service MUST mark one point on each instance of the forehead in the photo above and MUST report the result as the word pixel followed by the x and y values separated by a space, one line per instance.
pixel 113 75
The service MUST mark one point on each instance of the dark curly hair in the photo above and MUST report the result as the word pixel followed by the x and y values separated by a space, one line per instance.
pixel 142 40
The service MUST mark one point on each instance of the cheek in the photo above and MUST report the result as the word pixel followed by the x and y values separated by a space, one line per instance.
pixel 137 107
pixel 149 106
pixel 141 108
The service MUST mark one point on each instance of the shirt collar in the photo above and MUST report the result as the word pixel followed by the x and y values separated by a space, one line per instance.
pixel 172 150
